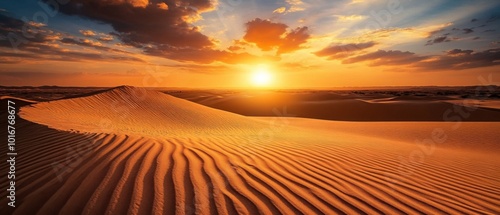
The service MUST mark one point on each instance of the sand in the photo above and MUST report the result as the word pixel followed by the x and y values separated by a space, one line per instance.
pixel 164 155
pixel 348 105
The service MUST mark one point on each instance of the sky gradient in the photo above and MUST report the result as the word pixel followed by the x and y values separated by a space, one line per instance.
pixel 219 44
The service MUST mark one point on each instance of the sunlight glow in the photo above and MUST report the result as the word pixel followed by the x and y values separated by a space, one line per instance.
pixel 261 76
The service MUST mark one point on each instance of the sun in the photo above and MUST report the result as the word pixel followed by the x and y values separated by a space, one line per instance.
pixel 261 77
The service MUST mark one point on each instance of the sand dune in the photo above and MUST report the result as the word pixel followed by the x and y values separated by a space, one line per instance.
pixel 169 156
pixel 347 106
pixel 135 110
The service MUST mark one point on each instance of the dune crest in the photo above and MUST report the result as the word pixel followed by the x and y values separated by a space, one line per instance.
pixel 128 109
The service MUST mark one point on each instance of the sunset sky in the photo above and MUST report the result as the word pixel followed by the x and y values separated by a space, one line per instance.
pixel 231 43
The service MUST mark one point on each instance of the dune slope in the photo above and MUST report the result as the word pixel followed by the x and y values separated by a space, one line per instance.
pixel 254 168
pixel 135 110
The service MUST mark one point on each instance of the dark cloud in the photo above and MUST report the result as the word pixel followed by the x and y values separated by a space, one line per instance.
pixel 142 23
pixel 268 35
pixel 36 52
pixel 458 52
pixel 473 20
pixel 441 39
pixel 38 43
pixel 343 50
pixel 163 28
pixel 432 33
pixel 18 33
pixel 455 59
pixel 382 57
pixel 464 59
pixel 9 23
pixel 492 18
pixel 489 30
pixel 467 30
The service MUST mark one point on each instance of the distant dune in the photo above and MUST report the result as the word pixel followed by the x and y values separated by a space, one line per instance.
pixel 349 106
pixel 134 151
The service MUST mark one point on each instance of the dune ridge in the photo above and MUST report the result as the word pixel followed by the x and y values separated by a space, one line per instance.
pixel 298 171
pixel 135 110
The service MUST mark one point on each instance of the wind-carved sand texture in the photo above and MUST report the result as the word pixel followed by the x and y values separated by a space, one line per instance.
pixel 145 152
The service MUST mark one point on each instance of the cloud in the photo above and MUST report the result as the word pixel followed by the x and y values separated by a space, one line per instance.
pixel 280 10
pixel 36 24
pixel 44 52
pixel 343 50
pixel 295 5
pixel 493 18
pixel 474 20
pixel 432 33
pixel 457 52
pixel 100 36
pixel 162 6
pixel 268 35
pixel 44 44
pixel 234 48
pixel 141 24
pixel 350 18
pixel 18 33
pixel 440 39
pixel 49 45
pixel 82 42
pixel 264 33
pixel 463 59
pixel 456 59
pixel 164 29
pixel 294 40
pixel 87 33
pixel 467 30
pixel 105 37
pixel 206 56
pixel 356 1
pixel 382 57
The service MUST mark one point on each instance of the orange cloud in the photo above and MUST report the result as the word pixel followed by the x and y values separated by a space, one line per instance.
pixel 87 33
pixel 264 33
pixel 280 10
pixel 162 6
pixel 293 40
pixel 268 35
